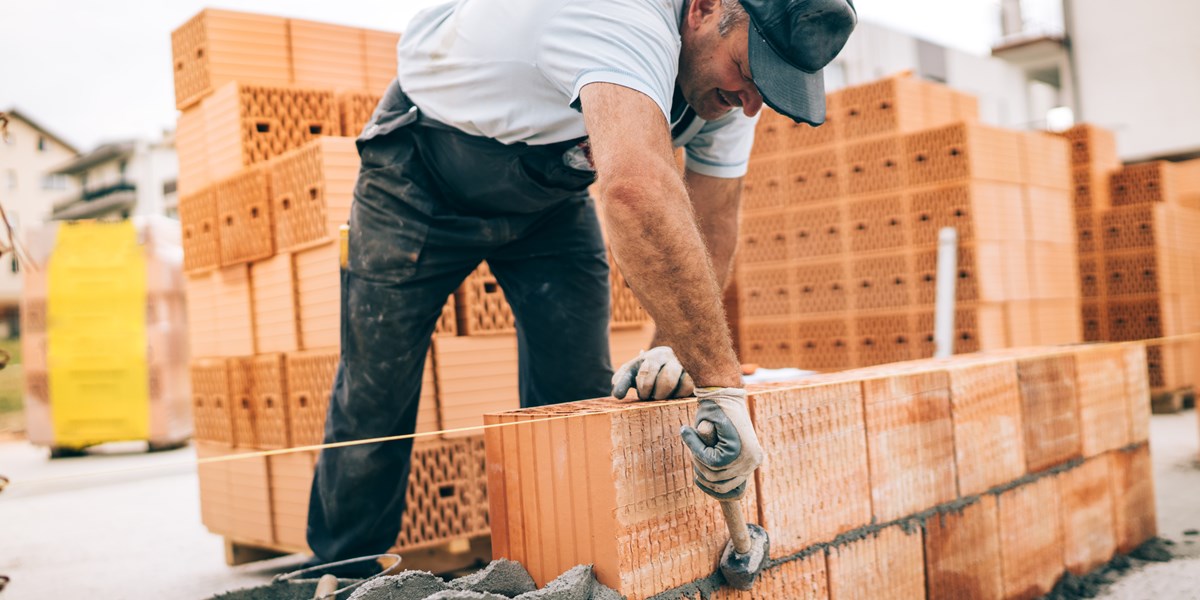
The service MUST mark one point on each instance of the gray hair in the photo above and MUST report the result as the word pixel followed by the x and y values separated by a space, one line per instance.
pixel 733 14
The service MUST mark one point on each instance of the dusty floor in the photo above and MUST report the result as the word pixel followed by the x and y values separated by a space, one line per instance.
pixel 136 533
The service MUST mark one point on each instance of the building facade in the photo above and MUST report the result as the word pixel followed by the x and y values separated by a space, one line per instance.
pixel 119 180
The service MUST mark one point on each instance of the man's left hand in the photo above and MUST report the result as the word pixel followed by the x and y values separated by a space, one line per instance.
pixel 656 373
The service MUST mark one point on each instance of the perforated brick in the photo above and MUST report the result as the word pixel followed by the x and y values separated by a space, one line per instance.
pixel 268 388
pixel 985 271
pixel 889 106
pixel 884 338
pixel 887 564
pixel 250 489
pixel 1095 321
pixel 309 382
pixel 481 307
pixel 312 189
pixel 777 134
pixel 1091 282
pixel 879 223
pixel 218 46
pixel 475 376
pixel 1031 538
pixel 875 166
pixel 291 486
pixel 1049 214
pixel 1049 409
pixel 881 282
pixel 445 493
pixel 1092 145
pixel 198 220
pixel 202 318
pixel 356 109
pixel 767 292
pixel 816 231
pixel 816 485
pixel 234 323
pixel 1089 233
pixel 318 296
pixel 800 579
pixel 770 344
pixel 273 287
pixel 824 345
pixel 326 55
pixel 1103 407
pixel 976 327
pixel 962 553
pixel 822 287
pixel 767 185
pixel 910 442
pixel 191 146
pixel 963 151
pixel 241 398
pixel 1045 160
pixel 1089 532
pixel 763 239
pixel 244 217
pixel 1132 273
pixel 1134 227
pixel 813 176
pixel 448 321
pixel 379 57
pixel 978 211
pixel 211 411
pixel 216 494
pixel 1137 319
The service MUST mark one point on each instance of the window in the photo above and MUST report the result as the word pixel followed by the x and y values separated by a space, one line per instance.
pixel 11 177
pixel 169 187
pixel 121 166
pixel 54 182
pixel 41 143
pixel 16 266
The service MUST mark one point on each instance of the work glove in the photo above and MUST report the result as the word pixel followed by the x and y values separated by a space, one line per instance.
pixel 723 468
pixel 657 375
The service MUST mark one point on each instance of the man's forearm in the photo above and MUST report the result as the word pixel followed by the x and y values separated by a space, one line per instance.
pixel 654 236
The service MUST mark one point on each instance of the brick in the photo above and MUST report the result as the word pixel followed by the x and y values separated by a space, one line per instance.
pixel 767 185
pixel 1057 321
pixel 234 323
pixel 326 55
pixel 816 485
pixel 1089 235
pixel 763 238
pixel 1092 145
pixel 976 327
pixel 800 579
pixel 198 220
pixel 962 552
pixel 268 389
pixel 1031 538
pixel 191 144
pixel 1137 392
pixel 881 281
pixel 379 58
pixel 884 338
pixel 273 289
pixel 987 272
pixel 823 286
pixel 888 106
pixel 356 108
pixel 879 223
pixel 244 217
pixel 887 564
pixel 1049 214
pixel 598 486
pixel 1055 270
pixel 1049 409
pixel 241 399
pixel 816 231
pixel 218 46
pixel 481 307
pixel 1139 318
pixel 446 493
pixel 1090 188
pixel 211 410
pixel 963 151
pixel 250 488
pixel 1133 497
pixel 1103 403
pixel 447 323
pixel 318 296
pixel 249 124
pixel 1157 182
pixel 813 176
pixel 769 343
pixel 768 292
pixel 312 188
pixel 216 492
pixel 475 376
pixel 1045 160
pixel 978 210
pixel 1089 533
pixel 1095 320
pixel 777 134
pixel 875 166
pixel 1133 273
pixel 1133 227
pixel 824 345
pixel 201 292
pixel 310 376
pixel 985 405
pixel 291 478
pixel 910 443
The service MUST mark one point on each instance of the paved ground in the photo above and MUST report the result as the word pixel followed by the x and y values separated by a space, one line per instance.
pixel 135 532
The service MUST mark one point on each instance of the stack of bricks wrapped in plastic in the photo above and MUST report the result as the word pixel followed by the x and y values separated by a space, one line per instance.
pixel 838 254
pixel 1138 253
pixel 982 476
pixel 103 335
pixel 269 110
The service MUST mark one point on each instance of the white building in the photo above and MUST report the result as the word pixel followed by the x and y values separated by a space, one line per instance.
pixel 120 180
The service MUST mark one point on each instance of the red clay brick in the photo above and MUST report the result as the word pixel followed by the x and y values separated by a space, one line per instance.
pixel 1133 497
pixel 962 553
pixel 1089 531
pixel 883 565
pixel 1031 539
pixel 1103 403
pixel 910 442
pixel 1049 409
pixel 815 485
pixel 985 403
pixel 1137 392
pixel 801 579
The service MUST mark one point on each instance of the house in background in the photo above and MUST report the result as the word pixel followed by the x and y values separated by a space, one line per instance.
pixel 28 189
pixel 121 179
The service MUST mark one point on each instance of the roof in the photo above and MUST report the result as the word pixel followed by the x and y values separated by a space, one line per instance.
pixel 102 154
pixel 13 113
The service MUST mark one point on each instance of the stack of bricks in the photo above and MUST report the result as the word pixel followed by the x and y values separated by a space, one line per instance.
pixel 838 255
pixel 269 111
pixel 1138 254
pixel 985 476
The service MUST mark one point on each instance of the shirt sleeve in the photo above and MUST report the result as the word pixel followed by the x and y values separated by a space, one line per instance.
pixel 629 43
pixel 722 147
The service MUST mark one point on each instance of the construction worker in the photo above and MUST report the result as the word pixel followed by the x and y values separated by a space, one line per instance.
pixel 502 115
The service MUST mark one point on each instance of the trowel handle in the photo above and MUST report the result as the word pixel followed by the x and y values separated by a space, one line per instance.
pixel 739 534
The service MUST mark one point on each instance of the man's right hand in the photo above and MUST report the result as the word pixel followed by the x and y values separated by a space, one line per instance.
pixel 657 375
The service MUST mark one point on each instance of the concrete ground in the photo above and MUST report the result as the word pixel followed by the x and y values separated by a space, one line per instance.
pixel 132 530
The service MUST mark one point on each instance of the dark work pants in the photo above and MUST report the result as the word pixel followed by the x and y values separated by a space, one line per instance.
pixel 429 206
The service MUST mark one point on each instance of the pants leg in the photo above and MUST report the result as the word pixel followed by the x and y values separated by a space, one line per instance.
pixel 556 279
pixel 405 260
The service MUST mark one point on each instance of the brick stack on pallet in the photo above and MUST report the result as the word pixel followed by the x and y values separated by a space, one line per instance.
pixel 1139 255
pixel 837 263
pixel 986 476
pixel 269 110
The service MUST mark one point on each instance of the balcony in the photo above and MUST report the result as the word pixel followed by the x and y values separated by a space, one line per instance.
pixel 113 198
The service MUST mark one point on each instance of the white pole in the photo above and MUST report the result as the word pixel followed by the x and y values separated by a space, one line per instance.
pixel 947 277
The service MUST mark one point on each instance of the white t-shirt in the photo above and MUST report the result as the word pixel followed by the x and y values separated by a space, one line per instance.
pixel 511 70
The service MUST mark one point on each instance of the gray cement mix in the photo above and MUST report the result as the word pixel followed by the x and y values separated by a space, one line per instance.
pixel 575 584
pixel 284 590
pixel 466 595
pixel 502 576
pixel 407 585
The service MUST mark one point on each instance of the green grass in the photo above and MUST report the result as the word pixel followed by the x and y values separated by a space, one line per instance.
pixel 11 384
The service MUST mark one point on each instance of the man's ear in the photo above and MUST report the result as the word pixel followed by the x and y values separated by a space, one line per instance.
pixel 700 11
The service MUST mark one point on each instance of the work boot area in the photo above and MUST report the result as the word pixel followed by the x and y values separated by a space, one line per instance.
pixel 358 314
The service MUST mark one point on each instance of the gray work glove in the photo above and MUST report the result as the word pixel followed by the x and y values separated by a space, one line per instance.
pixel 657 375
pixel 723 468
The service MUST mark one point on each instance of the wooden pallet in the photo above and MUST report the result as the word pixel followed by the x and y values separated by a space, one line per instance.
pixel 450 557
pixel 1172 401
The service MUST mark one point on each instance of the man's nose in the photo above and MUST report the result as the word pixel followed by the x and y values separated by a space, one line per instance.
pixel 752 101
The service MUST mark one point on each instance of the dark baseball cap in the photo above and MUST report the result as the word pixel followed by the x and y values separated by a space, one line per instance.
pixel 790 42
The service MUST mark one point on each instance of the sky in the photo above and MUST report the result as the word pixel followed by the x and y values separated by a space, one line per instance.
pixel 93 71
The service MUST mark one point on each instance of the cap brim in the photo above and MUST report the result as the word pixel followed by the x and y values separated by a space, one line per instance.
pixel 791 91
